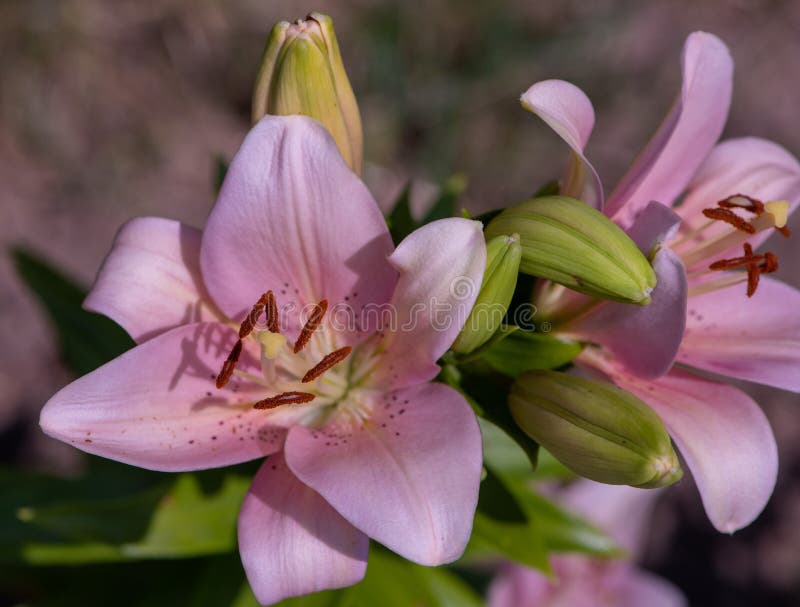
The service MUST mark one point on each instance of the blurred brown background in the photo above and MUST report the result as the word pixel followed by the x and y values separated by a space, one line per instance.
pixel 112 109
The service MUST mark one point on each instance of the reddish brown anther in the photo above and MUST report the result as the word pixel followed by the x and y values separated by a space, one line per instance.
pixel 252 318
pixel 314 319
pixel 754 206
pixel 271 308
pixel 285 398
pixel 731 218
pixel 756 265
pixel 229 365
pixel 326 363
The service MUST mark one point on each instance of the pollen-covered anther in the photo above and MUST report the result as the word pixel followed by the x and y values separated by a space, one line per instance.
pixel 229 365
pixel 756 265
pixel 731 218
pixel 284 398
pixel 326 363
pixel 741 201
pixel 313 322
pixel 271 310
pixel 252 318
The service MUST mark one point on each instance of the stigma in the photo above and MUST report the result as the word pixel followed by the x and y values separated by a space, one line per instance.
pixel 282 366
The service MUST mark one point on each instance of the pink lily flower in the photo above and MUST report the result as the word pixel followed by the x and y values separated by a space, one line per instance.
pixel 361 443
pixel 699 205
pixel 584 581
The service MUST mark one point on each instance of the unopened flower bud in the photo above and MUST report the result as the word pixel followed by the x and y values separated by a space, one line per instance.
pixel 596 429
pixel 503 255
pixel 572 244
pixel 302 73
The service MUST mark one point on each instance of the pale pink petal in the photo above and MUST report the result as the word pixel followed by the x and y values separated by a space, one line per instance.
pixel 670 159
pixel 292 542
pixel 643 589
pixel 407 476
pixel 724 437
pixel 644 339
pixel 441 268
pixel 655 225
pixel 621 511
pixel 157 407
pixel 516 586
pixel 293 218
pixel 750 166
pixel 567 110
pixel 756 338
pixel 150 281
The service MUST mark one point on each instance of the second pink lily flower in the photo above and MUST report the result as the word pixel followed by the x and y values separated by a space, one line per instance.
pixel 700 317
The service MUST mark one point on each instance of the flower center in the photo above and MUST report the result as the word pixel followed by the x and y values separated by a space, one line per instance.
pixel 742 218
pixel 299 374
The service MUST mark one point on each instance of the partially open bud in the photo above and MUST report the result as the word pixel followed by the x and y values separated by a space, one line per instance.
pixel 594 428
pixel 502 265
pixel 572 244
pixel 302 73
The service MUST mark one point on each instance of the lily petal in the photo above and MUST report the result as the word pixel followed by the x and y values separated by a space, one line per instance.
pixel 150 281
pixel 643 588
pixel 756 338
pixel 645 339
pixel 621 511
pixel 157 407
pixel 441 268
pixel 292 542
pixel 407 476
pixel 516 585
pixel 567 110
pixel 724 437
pixel 748 165
pixel 292 217
pixel 677 149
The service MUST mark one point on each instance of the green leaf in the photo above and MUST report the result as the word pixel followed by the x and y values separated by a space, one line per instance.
pixel 445 205
pixel 524 351
pixel 89 520
pixel 551 188
pixel 185 523
pixel 503 528
pixel 487 392
pixel 561 530
pixel 219 172
pixel 86 340
pixel 391 582
pixel 400 221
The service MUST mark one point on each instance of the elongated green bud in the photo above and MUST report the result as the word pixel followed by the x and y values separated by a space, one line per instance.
pixel 572 244
pixel 302 73
pixel 594 428
pixel 503 255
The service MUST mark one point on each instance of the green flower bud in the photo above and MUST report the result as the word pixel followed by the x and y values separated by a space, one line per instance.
pixel 572 244
pixel 302 73
pixel 596 429
pixel 503 255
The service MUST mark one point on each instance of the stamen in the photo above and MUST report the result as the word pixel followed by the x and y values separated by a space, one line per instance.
pixel 326 363
pixel 314 319
pixel 731 218
pixel 741 201
pixel 271 306
pixel 229 365
pixel 251 319
pixel 285 398
pixel 756 265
